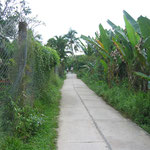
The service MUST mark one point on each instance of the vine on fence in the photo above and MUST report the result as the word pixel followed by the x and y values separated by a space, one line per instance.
pixel 38 67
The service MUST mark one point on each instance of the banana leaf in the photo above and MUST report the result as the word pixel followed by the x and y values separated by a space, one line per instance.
pixel 97 36
pixel 118 29
pixel 144 24
pixel 141 59
pixel 120 48
pixel 86 67
pixel 106 41
pixel 100 43
pixel 121 41
pixel 104 65
pixel 132 35
pixel 97 46
pixel 112 24
pixel 125 46
pixel 142 75
pixel 133 23
pixel 83 47
pixel 146 42
pixel 146 45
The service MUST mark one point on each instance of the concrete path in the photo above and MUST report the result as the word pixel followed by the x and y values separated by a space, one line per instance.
pixel 86 122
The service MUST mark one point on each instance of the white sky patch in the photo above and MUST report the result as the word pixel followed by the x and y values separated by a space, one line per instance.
pixel 84 16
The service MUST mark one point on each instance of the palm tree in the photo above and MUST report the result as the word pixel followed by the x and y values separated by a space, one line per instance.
pixel 60 44
pixel 72 40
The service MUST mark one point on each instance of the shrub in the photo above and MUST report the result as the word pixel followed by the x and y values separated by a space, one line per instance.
pixel 27 121
pixel 131 103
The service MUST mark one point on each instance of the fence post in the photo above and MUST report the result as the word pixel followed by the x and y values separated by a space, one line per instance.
pixel 21 58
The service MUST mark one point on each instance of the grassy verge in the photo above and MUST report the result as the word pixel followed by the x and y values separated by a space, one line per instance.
pixel 45 137
pixel 1 132
pixel 132 104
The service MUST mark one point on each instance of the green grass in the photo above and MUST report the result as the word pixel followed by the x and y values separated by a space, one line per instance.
pixel 1 133
pixel 132 104
pixel 1 112
pixel 45 138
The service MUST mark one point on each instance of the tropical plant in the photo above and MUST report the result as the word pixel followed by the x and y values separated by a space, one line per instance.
pixel 59 43
pixel 133 47
pixel 86 48
pixel 127 50
pixel 72 41
pixel 103 44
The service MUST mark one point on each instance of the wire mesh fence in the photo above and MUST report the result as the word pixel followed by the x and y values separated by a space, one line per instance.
pixel 4 75
pixel 12 62
pixel 4 60
pixel 16 75
pixel 25 67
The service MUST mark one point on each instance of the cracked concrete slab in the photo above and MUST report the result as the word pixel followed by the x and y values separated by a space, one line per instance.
pixel 86 122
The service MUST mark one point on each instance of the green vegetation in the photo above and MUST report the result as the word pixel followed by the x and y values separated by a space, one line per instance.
pixel 29 84
pixel 64 45
pixel 31 76
pixel 30 112
pixel 132 104
pixel 116 66
pixel 124 49
pixel 45 136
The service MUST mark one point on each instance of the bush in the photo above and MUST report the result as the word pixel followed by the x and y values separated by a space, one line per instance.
pixel 36 126
pixel 132 104
pixel 27 121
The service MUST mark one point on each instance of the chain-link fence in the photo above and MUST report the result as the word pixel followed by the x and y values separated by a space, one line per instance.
pixel 4 60
pixel 12 61
pixel 4 74
pixel 14 72
pixel 25 67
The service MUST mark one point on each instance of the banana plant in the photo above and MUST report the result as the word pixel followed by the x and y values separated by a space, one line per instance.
pixel 142 75
pixel 86 48
pixel 89 66
pixel 104 45
pixel 139 36
pixel 126 42
pixel 133 44
pixel 123 45
pixel 99 48
pixel 144 24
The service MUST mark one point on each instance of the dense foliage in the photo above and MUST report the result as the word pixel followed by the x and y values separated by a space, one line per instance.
pixel 37 125
pixel 19 115
pixel 126 50
pixel 28 83
pixel 65 45
pixel 131 103
pixel 116 67
pixel 45 61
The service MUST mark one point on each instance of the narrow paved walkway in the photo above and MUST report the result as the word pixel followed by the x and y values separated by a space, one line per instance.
pixel 86 122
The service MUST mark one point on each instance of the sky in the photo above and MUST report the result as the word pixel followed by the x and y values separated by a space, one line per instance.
pixel 84 16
